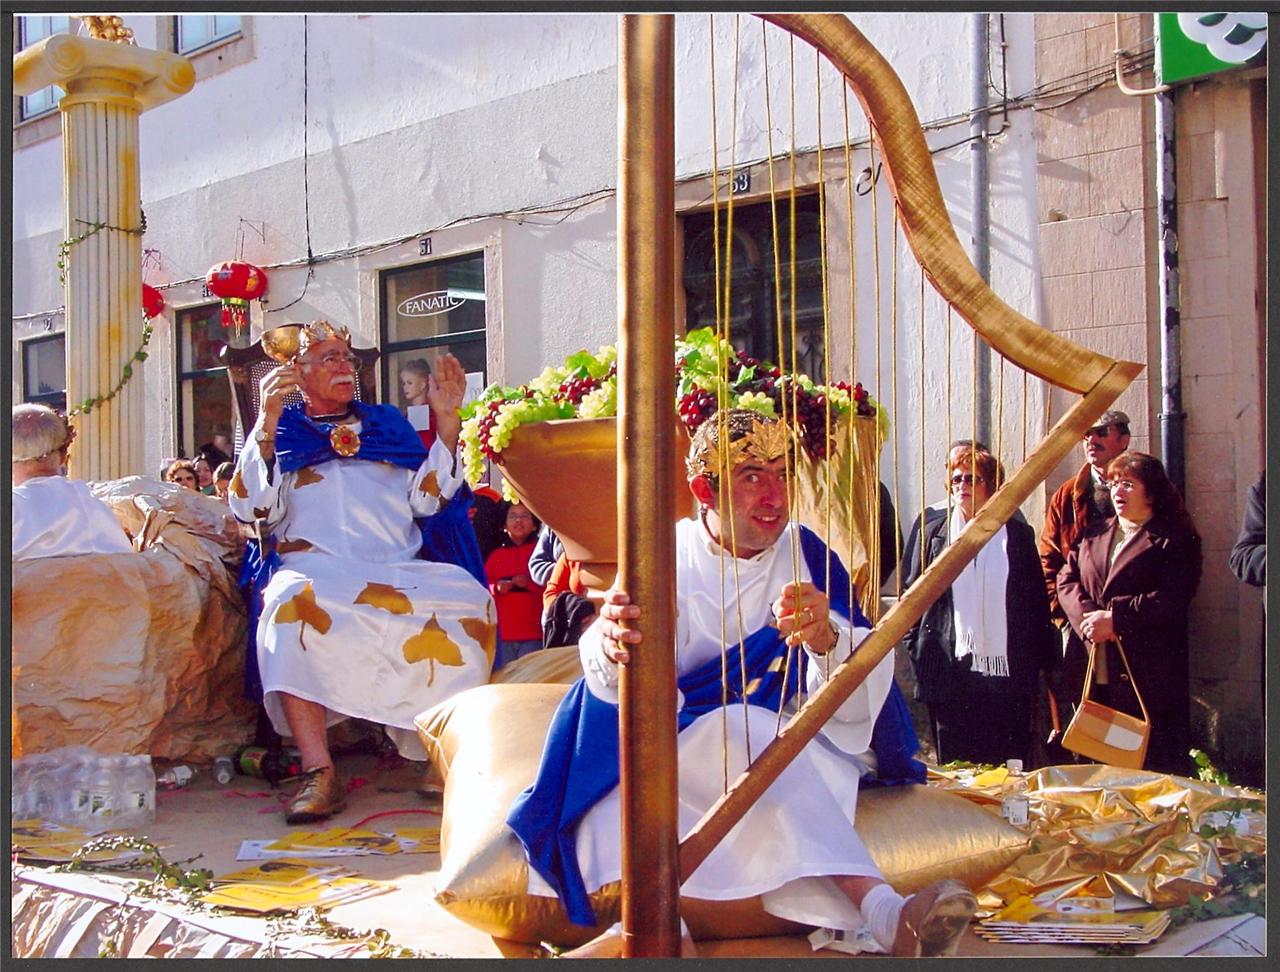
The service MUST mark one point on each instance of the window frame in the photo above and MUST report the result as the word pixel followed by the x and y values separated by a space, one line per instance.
pixel 390 348
pixel 182 321
pixel 55 400
pixel 216 39
pixel 21 43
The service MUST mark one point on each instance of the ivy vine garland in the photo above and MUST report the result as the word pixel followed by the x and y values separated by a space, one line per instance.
pixel 126 373
pixel 140 355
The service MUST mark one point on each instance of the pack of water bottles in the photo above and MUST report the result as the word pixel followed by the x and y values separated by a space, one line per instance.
pixel 79 787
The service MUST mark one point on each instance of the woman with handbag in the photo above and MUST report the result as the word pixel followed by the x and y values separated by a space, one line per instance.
pixel 1126 590
pixel 978 650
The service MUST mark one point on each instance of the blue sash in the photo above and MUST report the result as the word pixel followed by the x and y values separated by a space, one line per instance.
pixel 385 436
pixel 580 757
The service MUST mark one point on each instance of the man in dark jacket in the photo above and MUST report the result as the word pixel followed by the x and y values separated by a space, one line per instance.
pixel 1249 556
pixel 1081 502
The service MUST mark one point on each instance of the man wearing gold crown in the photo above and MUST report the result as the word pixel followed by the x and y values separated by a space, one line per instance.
pixel 796 847
pixel 351 623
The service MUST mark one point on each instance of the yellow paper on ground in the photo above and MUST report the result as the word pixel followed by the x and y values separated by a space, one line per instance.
pixel 363 841
pixel 264 898
pixel 419 840
pixel 283 871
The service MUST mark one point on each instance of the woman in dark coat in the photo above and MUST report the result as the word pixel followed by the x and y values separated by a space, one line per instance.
pixel 1132 577
pixel 979 695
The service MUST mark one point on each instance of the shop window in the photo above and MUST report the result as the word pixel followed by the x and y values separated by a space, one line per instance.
pixel 191 32
pixel 426 310
pixel 32 30
pixel 758 281
pixel 44 370
pixel 204 392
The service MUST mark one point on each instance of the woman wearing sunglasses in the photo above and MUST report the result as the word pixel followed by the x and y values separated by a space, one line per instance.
pixel 978 649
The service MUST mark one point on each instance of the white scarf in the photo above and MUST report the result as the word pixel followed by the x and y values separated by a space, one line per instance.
pixel 978 606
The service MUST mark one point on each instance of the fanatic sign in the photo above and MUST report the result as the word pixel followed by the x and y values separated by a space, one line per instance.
pixel 430 304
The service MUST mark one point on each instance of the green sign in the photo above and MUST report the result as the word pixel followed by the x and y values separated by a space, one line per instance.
pixel 1192 45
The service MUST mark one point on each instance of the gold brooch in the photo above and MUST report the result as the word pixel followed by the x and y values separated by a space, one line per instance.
pixel 345 440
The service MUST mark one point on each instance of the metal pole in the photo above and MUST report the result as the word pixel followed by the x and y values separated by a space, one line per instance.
pixel 646 465
pixel 1172 416
pixel 981 215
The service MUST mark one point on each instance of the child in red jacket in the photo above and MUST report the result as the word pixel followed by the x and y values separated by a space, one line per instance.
pixel 517 597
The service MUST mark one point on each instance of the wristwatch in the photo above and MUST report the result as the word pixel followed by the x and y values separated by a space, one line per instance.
pixel 262 435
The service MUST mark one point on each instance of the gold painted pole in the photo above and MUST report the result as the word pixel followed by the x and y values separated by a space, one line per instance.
pixel 646 456
pixel 729 809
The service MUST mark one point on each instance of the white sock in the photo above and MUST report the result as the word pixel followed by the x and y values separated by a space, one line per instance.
pixel 880 909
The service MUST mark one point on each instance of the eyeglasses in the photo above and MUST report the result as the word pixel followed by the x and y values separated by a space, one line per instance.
pixel 1121 484
pixel 967 478
pixel 333 359
pixel 520 516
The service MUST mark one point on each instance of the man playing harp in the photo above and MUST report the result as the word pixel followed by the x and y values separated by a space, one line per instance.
pixel 737 579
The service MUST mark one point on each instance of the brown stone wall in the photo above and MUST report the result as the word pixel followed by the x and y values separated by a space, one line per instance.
pixel 1099 239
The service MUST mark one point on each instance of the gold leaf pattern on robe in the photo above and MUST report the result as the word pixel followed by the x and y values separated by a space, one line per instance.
pixel 430 484
pixel 302 608
pixel 237 485
pixel 293 546
pixel 433 645
pixel 484 632
pixel 306 476
pixel 385 597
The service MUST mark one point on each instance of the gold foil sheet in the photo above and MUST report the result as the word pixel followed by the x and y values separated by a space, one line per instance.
pixel 1101 830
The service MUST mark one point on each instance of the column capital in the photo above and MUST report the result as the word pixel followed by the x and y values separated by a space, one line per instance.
pixel 154 76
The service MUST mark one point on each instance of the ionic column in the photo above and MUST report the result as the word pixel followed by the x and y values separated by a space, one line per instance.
pixel 108 85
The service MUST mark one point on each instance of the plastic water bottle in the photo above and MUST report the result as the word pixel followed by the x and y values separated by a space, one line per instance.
pixel 105 795
pixel 1015 807
pixel 139 800
pixel 175 777
pixel 223 770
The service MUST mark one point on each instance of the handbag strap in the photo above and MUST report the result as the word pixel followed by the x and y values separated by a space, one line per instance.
pixel 1088 677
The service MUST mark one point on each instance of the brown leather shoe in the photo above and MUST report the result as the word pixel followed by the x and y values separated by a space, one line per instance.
pixel 319 797
pixel 933 920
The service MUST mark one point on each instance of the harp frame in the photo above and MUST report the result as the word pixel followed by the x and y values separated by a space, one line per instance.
pixel 650 887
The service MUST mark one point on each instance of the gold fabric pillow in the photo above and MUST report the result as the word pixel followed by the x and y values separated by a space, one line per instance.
pixel 560 666
pixel 487 742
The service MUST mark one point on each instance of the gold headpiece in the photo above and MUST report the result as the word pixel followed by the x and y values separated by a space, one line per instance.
pixel 749 435
pixel 318 331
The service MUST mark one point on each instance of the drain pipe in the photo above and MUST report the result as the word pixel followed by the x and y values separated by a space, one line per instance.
pixel 981 216
pixel 1172 417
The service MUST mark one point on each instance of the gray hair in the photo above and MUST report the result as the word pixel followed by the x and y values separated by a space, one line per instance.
pixel 38 432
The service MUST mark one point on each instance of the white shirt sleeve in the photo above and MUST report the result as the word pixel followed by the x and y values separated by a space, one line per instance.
pixel 257 487
pixel 851 725
pixel 437 479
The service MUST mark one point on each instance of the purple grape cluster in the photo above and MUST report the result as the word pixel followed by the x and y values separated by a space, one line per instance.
pixel 696 407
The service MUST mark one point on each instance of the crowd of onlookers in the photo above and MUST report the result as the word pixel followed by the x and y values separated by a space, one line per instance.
pixel 999 659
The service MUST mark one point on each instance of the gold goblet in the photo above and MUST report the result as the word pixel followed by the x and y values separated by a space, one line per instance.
pixel 282 343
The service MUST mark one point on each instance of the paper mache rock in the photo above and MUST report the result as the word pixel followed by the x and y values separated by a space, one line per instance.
pixel 136 652
pixel 487 742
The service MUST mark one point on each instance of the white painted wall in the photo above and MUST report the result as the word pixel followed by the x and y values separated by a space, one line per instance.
pixel 435 124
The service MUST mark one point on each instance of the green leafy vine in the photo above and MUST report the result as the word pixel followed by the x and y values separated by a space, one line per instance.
pixel 126 373
pixel 64 248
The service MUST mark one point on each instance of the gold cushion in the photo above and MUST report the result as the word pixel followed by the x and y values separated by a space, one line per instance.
pixel 487 743
pixel 560 666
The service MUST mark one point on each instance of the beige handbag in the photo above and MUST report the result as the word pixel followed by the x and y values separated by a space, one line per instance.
pixel 1104 734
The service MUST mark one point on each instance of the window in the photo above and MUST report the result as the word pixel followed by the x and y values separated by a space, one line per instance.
pixel 192 32
pixel 426 310
pixel 204 392
pixel 755 289
pixel 44 370
pixel 32 30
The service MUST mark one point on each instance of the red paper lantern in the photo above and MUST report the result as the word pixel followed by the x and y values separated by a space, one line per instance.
pixel 236 283
pixel 152 301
